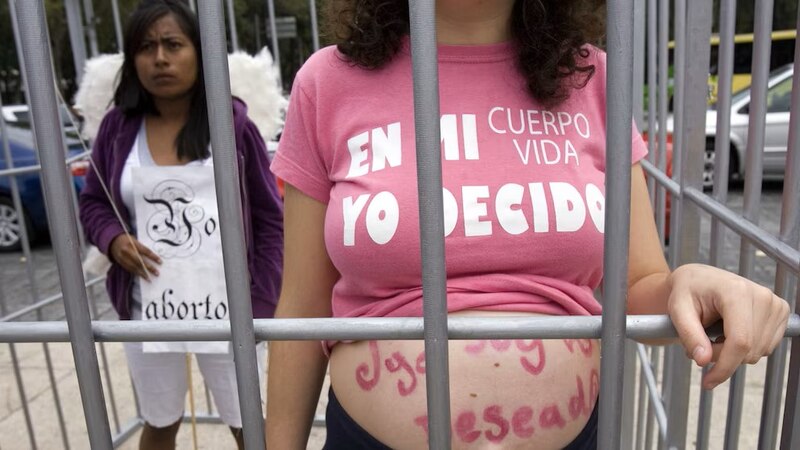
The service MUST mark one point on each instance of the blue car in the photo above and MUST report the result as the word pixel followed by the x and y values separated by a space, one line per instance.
pixel 23 154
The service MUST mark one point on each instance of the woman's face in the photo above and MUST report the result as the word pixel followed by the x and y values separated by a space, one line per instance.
pixel 166 61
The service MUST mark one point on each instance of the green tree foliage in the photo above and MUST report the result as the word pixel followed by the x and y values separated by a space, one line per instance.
pixel 251 24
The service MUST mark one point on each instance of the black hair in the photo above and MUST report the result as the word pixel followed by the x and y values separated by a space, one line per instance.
pixel 551 34
pixel 135 100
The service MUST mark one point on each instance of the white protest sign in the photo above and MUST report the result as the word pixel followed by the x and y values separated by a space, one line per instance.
pixel 177 218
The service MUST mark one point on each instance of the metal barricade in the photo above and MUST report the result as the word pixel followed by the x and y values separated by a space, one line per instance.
pixel 630 417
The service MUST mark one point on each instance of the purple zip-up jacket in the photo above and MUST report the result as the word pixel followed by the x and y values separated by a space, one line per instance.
pixel 261 206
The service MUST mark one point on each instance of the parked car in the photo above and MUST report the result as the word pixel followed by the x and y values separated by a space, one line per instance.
pixel 23 154
pixel 18 115
pixel 776 135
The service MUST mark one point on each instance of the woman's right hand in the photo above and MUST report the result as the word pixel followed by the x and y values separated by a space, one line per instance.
pixel 123 250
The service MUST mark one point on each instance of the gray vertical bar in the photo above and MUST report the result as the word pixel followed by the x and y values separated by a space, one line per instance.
pixel 104 362
pixel 257 30
pixel 638 62
pixel 26 243
pixel 722 148
pixel 18 46
pixel 91 29
pixel 232 26
pixel 674 369
pixel 678 137
pixel 629 382
pixel 652 96
pixel 628 396
pixel 641 407
pixel 273 32
pixel 76 37
pixel 34 291
pixel 790 233
pixel 312 12
pixel 655 361
pixel 752 189
pixel 431 218
pixel 24 236
pixel 117 24
pixel 61 215
pixel 618 184
pixel 192 5
pixel 22 397
pixel 220 117
pixel 790 438
pixel 663 81
pixel 722 143
pixel 694 93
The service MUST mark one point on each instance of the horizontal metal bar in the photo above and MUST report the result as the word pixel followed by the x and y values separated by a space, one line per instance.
pixel 660 177
pixel 46 302
pixel 552 327
pixel 78 157
pixel 127 431
pixel 38 167
pixel 202 418
pixel 769 244
pixel 133 426
pixel 652 389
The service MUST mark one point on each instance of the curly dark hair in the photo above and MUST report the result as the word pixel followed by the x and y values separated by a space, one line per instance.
pixel 551 34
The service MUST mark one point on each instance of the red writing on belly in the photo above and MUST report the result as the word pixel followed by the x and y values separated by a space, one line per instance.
pixel 520 421
pixel 550 417
pixel 594 387
pixel 584 345
pixel 368 374
pixel 496 427
pixel 398 362
pixel 494 415
pixel 465 427
pixel 421 363
pixel 534 368
pixel 500 345
pixel 577 402
pixel 475 348
pixel 363 369
pixel 423 422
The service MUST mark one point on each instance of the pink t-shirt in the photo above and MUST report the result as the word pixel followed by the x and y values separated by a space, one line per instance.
pixel 523 185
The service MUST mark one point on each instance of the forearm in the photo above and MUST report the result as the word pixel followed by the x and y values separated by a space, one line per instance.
pixel 296 373
pixel 649 295
pixel 101 225
pixel 297 368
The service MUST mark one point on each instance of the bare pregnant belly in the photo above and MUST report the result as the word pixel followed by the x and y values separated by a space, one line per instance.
pixel 525 393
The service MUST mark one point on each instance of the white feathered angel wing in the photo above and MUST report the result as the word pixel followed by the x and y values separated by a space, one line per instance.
pixel 253 79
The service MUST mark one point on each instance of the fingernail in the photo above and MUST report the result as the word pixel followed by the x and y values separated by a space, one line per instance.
pixel 697 352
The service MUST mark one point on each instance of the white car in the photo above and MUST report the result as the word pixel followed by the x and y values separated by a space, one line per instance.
pixel 20 116
pixel 16 113
pixel 776 134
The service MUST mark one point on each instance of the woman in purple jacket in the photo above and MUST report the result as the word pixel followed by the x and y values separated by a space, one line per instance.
pixel 160 119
